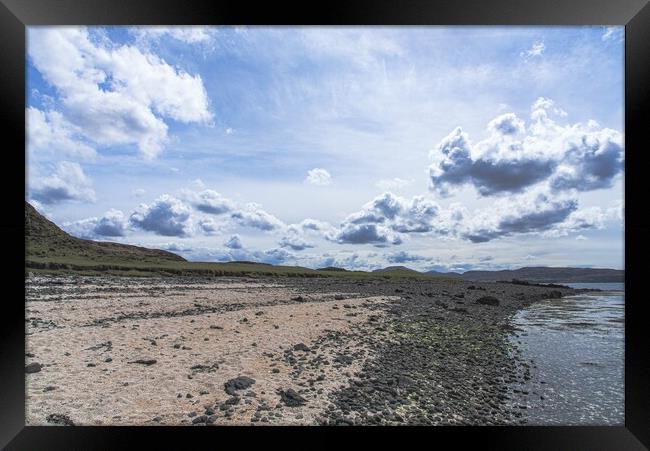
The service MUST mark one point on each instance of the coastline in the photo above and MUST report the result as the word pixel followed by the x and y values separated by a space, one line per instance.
pixel 343 352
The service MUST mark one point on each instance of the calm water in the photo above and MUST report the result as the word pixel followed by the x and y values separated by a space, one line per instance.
pixel 575 349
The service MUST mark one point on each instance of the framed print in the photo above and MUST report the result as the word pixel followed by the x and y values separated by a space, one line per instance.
pixel 373 215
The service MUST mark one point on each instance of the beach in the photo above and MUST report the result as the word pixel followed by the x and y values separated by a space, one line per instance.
pixel 103 350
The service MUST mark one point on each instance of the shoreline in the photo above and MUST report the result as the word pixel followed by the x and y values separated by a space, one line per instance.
pixel 343 352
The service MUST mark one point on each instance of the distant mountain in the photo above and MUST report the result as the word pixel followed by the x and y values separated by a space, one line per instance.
pixel 396 269
pixel 331 268
pixel 444 274
pixel 549 275
pixel 45 242
pixel 540 274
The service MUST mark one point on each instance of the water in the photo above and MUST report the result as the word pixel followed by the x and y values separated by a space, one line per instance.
pixel 575 349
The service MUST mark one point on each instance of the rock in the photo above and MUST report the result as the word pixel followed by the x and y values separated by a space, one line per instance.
pixel 298 298
pixel 339 297
pixel 275 370
pixel 291 398
pixel 200 419
pixel 301 347
pixel 144 361
pixel 33 367
pixel 238 383
pixel 108 360
pixel 488 300
pixel 90 365
pixel 156 419
pixel 49 388
pixel 57 418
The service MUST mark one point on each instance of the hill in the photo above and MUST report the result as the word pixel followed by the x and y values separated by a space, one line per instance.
pixel 51 250
pixel 549 274
pixel 45 242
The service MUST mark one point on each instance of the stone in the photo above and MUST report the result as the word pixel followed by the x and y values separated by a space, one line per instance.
pixel 238 383
pixel 488 300
pixel 33 367
pixel 291 398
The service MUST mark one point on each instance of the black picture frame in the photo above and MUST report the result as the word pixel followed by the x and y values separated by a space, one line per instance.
pixel 16 15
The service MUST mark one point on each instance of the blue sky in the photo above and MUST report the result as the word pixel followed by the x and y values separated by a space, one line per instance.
pixel 448 148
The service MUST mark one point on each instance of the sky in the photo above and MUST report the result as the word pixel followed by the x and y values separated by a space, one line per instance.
pixel 437 148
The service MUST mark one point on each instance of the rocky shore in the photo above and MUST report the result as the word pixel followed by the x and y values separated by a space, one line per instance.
pixel 188 351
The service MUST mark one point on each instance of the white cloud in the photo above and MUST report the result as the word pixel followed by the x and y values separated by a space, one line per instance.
pixel 209 201
pixel 138 192
pixel 116 95
pixel 318 176
pixel 537 49
pixel 189 35
pixel 528 213
pixel 613 34
pixel 514 156
pixel 67 183
pixel 252 215
pixel 112 224
pixel 234 242
pixel 49 131
pixel 166 216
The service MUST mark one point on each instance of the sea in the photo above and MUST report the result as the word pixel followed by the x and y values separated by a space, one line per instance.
pixel 575 349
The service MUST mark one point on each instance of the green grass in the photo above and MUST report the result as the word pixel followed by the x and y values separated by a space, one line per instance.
pixel 112 266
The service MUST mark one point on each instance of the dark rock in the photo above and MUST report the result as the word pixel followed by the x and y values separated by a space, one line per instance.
pixel 49 388
pixel 108 360
pixel 57 418
pixel 488 300
pixel 301 347
pixel 144 361
pixel 275 370
pixel 33 367
pixel 291 398
pixel 298 298
pixel 200 419
pixel 339 297
pixel 90 365
pixel 238 383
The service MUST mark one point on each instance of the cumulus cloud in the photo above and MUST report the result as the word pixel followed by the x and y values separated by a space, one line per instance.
pixel 49 131
pixel 526 214
pixel 112 224
pixel 234 242
pixel 116 94
pixel 294 240
pixel 209 201
pixel 252 215
pixel 405 257
pixel 351 233
pixel 318 176
pixel 208 226
pixel 385 218
pixel 67 183
pixel 166 216
pixel 516 156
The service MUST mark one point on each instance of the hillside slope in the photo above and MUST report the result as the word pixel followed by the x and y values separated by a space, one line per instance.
pixel 45 243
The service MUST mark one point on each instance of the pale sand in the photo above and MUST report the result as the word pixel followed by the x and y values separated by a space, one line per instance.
pixel 122 393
